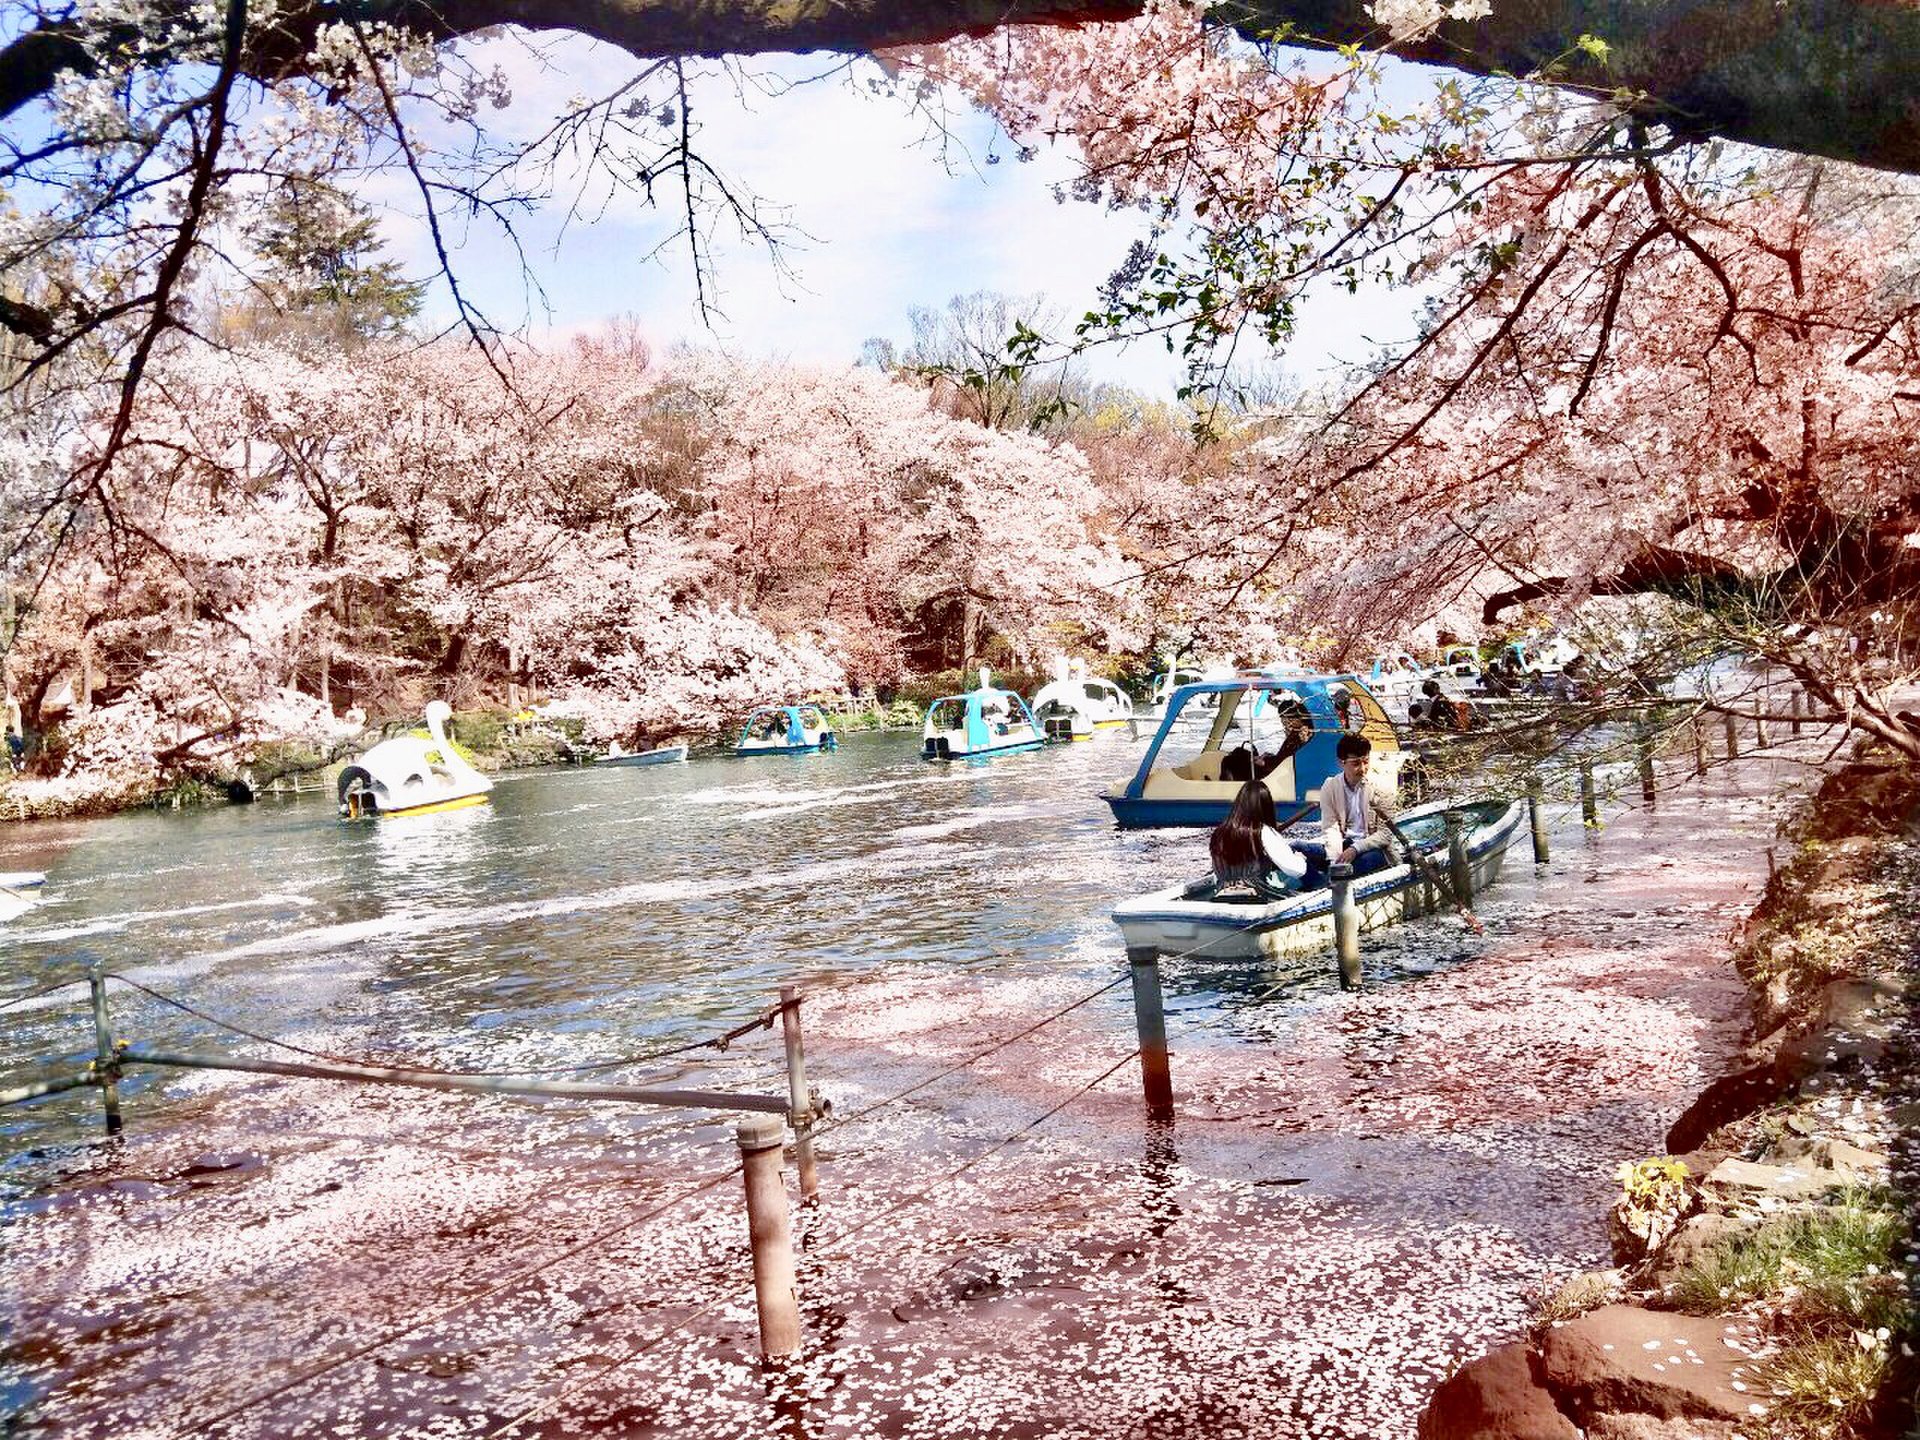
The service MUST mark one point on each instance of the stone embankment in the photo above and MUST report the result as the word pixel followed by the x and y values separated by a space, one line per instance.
pixel 1760 1286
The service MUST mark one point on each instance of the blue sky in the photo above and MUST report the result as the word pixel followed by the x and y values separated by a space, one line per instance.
pixel 895 221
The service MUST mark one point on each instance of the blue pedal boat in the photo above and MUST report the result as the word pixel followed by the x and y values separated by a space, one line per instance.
pixel 979 724
pixel 786 730
pixel 1180 782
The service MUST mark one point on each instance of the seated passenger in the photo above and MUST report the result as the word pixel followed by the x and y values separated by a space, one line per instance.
pixel 1432 711
pixel 1348 808
pixel 1248 849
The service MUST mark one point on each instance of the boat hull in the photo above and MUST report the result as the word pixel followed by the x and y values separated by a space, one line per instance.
pixel 666 755
pixel 435 807
pixel 939 749
pixel 1166 921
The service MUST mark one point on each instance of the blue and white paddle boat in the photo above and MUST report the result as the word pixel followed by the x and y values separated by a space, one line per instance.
pixel 1181 782
pixel 1234 921
pixel 786 730
pixel 1078 706
pixel 978 724
pixel 1395 679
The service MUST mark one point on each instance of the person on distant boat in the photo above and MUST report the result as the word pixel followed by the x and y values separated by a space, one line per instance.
pixel 1248 848
pixel 16 735
pixel 1348 806
pixel 1432 710
pixel 1347 713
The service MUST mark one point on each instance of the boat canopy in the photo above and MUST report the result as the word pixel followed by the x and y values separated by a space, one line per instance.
pixel 1179 783
pixel 786 727
pixel 985 721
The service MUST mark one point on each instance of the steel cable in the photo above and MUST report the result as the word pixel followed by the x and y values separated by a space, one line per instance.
pixel 720 1042
pixel 546 1406
pixel 200 1424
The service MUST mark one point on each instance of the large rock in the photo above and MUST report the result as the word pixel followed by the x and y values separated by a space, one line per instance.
pixel 1743 1179
pixel 1494 1398
pixel 1645 1427
pixel 1625 1360
pixel 1851 1024
pixel 1697 1238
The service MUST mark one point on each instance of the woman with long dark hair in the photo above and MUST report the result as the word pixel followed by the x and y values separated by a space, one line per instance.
pixel 1248 848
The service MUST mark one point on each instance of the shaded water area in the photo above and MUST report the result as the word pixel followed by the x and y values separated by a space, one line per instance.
pixel 1355 1196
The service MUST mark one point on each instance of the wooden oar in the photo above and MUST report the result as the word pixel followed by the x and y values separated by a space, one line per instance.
pixel 1419 862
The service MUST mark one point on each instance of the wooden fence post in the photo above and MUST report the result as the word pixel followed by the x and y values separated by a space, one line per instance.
pixel 1589 805
pixel 774 1293
pixel 106 1062
pixel 1346 925
pixel 1538 820
pixel 798 1097
pixel 1150 1021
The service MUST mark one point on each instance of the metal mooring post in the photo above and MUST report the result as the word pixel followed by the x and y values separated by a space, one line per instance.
pixel 1793 704
pixel 106 1063
pixel 1589 805
pixel 1346 925
pixel 760 1139
pixel 798 1096
pixel 1150 1022
pixel 1537 818
pixel 1699 748
pixel 1459 867
pixel 1733 738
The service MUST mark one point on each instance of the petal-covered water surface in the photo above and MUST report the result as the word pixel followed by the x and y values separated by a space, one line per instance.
pixel 1356 1193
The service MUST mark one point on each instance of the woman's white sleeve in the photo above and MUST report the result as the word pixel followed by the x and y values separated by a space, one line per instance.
pixel 1282 856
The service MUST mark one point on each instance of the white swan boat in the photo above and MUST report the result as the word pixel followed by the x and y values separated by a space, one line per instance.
pixel 1078 706
pixel 1233 923
pixel 410 776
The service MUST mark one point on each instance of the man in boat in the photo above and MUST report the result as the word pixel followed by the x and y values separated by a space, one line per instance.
pixel 1349 808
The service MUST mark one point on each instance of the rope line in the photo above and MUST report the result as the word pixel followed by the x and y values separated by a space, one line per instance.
pixel 43 991
pixel 546 1406
pixel 839 1122
pixel 293 1382
pixel 720 1042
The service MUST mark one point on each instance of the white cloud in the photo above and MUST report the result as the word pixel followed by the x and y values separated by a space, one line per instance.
pixel 893 223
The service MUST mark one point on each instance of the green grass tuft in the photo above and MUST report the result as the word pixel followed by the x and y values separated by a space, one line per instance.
pixel 1822 1388
pixel 1832 1264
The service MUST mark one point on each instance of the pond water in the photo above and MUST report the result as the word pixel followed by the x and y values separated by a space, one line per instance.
pixel 1355 1194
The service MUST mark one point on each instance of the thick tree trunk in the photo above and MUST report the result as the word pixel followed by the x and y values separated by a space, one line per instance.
pixel 1839 78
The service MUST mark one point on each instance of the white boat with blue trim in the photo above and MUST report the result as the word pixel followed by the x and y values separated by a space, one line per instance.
pixel 786 730
pixel 978 725
pixel 19 890
pixel 661 755
pixel 1236 922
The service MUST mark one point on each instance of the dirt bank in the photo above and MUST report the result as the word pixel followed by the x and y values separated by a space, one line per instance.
pixel 1760 1285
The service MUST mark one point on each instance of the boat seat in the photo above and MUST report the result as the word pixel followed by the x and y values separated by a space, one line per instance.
pixel 1204 767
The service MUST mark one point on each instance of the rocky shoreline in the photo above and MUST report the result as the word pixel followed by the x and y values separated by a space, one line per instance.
pixel 1761 1277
